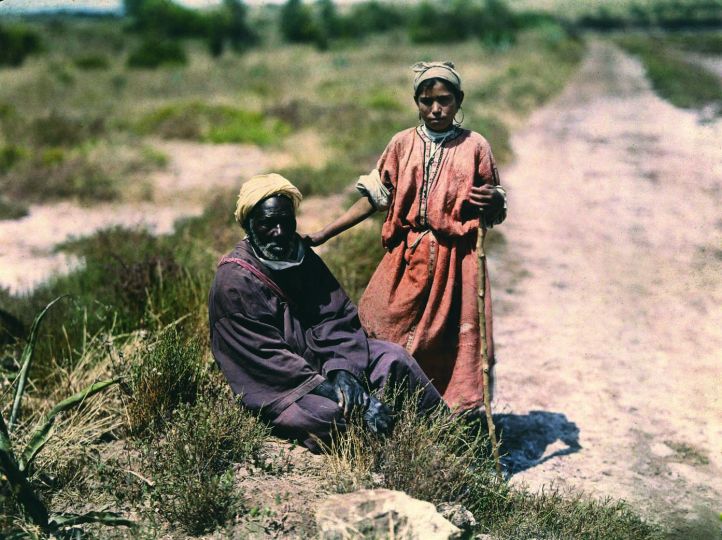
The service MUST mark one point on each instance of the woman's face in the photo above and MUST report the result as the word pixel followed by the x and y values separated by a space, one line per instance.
pixel 437 107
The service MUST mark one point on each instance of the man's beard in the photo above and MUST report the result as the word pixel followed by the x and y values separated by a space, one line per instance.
pixel 272 251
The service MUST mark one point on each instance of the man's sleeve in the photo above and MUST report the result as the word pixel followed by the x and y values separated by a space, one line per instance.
pixel 258 363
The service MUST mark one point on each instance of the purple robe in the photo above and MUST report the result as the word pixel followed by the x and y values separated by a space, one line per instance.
pixel 276 336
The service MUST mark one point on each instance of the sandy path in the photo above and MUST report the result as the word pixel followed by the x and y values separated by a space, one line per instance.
pixel 609 325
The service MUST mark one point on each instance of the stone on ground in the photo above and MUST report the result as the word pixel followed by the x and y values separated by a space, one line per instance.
pixel 381 513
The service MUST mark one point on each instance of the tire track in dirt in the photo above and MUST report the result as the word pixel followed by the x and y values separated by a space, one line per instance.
pixel 608 291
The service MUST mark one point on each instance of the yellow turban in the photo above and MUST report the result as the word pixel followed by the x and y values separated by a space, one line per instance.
pixel 261 187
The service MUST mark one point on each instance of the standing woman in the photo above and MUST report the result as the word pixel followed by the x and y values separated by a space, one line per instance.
pixel 435 182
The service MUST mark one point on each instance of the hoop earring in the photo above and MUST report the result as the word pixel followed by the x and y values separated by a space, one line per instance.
pixel 458 122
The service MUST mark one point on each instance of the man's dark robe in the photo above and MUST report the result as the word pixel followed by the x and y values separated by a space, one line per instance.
pixel 276 334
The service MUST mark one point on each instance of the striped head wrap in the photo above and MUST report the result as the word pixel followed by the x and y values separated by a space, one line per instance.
pixel 432 70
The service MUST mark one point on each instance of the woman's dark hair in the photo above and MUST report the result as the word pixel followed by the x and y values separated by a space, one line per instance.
pixel 429 83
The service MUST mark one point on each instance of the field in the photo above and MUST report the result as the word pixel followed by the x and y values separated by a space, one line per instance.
pixel 81 125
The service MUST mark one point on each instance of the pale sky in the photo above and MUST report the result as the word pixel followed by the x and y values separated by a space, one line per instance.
pixel 39 5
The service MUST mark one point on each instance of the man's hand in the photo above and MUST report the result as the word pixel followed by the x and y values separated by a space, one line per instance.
pixel 314 239
pixel 486 197
pixel 378 417
pixel 349 391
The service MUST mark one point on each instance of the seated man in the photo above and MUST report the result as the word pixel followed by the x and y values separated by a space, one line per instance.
pixel 286 336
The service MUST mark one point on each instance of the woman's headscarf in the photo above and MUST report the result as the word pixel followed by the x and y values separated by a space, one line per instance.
pixel 261 187
pixel 433 70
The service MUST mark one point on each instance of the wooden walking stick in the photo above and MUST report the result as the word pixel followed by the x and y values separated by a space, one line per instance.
pixel 484 349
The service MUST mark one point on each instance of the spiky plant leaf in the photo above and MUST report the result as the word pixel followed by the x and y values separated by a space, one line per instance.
pixel 42 434
pixel 105 518
pixel 26 360
pixel 24 494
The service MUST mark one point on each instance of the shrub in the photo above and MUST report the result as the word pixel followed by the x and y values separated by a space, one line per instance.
pixel 162 376
pixel 10 155
pixel 57 129
pixel 56 173
pixel 16 43
pixel 91 62
pixel 192 462
pixel 152 53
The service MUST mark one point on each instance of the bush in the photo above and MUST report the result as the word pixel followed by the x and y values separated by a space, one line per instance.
pixel 9 156
pixel 192 462
pixel 57 129
pixel 91 62
pixel 16 43
pixel 163 376
pixel 212 123
pixel 152 53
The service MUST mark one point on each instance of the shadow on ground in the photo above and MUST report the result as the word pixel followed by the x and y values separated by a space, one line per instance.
pixel 526 439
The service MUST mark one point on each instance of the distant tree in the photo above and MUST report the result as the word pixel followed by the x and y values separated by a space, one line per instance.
pixel 240 34
pixel 297 24
pixel 133 7
pixel 329 20
pixel 372 17
pixel 166 18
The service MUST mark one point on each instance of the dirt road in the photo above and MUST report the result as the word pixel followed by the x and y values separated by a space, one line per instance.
pixel 609 294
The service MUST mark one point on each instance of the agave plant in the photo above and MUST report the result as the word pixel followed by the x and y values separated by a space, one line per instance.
pixel 15 468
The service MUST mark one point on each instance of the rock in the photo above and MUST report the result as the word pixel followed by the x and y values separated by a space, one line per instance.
pixel 381 513
pixel 457 515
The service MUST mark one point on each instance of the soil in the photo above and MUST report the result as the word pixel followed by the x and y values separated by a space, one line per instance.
pixel 607 295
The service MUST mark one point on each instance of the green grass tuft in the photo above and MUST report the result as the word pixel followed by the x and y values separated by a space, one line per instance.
pixel 212 123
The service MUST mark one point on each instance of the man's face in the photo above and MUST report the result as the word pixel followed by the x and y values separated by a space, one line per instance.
pixel 273 228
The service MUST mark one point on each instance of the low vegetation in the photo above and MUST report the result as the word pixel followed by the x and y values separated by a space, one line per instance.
pixel 446 459
pixel 213 123
pixel 675 78
pixel 17 43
